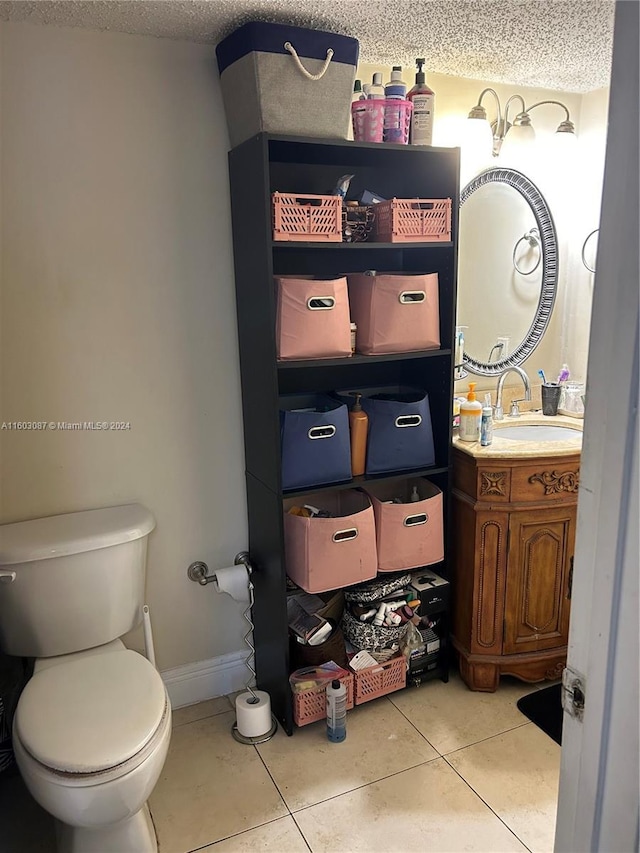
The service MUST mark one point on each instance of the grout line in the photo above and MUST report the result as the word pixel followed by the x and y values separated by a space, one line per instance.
pixel 415 727
pixel 235 834
pixel 489 737
pixel 304 837
pixel 280 794
pixel 473 743
pixel 366 785
pixel 473 790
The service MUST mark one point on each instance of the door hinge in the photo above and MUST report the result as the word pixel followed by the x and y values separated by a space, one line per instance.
pixel 574 692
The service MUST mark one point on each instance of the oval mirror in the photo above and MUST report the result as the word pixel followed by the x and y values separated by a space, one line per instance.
pixel 507 270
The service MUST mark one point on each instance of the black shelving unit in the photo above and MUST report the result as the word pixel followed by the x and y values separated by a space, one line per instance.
pixel 267 163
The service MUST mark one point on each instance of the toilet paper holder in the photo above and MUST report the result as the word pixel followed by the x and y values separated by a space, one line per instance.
pixel 198 572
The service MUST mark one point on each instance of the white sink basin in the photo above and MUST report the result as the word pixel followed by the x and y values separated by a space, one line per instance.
pixel 538 432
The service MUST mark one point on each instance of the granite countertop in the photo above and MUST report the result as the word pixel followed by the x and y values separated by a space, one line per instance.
pixel 517 449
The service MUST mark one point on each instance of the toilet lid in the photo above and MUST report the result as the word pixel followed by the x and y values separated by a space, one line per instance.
pixel 92 713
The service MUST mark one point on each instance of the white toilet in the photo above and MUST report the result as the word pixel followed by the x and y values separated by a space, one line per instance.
pixel 92 727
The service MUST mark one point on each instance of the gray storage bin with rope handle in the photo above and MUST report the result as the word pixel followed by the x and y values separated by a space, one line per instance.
pixel 287 80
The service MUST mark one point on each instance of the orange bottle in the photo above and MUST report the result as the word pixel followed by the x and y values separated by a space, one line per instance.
pixel 358 426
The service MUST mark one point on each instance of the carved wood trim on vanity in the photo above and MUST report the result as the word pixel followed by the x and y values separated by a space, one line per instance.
pixel 555 482
pixel 488 628
pixel 514 525
pixel 493 483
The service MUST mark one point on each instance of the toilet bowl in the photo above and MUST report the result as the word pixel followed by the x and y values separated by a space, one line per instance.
pixel 90 737
pixel 92 727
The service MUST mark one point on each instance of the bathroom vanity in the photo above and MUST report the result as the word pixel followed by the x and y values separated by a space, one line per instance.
pixel 514 517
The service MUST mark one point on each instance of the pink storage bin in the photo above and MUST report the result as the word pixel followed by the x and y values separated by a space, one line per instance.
pixel 307 218
pixel 413 220
pixel 381 120
pixel 410 534
pixel 312 318
pixel 395 312
pixel 329 553
pixel 381 679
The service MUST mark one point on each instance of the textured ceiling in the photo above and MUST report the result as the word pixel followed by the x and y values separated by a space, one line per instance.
pixel 555 44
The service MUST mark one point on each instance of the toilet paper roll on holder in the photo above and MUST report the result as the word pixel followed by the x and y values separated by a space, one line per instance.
pixel 198 572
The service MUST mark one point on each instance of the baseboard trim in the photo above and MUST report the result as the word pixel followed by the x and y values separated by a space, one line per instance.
pixel 205 679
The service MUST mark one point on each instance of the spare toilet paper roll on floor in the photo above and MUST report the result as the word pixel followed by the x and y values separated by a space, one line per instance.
pixel 234 581
pixel 253 719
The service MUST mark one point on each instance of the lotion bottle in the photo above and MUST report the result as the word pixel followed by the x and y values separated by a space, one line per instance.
pixel 423 99
pixel 396 88
pixel 358 427
pixel 470 416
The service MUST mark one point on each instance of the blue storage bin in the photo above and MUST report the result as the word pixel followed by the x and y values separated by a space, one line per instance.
pixel 315 441
pixel 400 435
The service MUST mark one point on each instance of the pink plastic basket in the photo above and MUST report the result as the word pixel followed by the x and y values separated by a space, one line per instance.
pixel 380 679
pixel 405 220
pixel 381 120
pixel 308 218
pixel 311 705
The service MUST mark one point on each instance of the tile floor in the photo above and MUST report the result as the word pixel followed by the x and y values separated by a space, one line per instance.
pixel 435 768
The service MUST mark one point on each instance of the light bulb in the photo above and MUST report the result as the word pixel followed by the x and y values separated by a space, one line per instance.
pixel 475 148
pixel 518 144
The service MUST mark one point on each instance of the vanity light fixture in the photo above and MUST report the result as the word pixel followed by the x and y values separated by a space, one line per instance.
pixel 502 131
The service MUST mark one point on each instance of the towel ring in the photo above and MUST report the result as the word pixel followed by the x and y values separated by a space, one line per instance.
pixel 533 239
pixel 584 246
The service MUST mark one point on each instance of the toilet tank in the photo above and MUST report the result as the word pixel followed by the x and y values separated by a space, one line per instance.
pixel 71 582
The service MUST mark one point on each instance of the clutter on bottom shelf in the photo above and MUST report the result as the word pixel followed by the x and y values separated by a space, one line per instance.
pixel 395 629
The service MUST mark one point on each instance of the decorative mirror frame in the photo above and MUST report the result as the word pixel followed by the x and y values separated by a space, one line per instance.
pixel 549 285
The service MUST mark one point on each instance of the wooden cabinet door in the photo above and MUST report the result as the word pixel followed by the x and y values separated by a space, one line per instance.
pixel 538 579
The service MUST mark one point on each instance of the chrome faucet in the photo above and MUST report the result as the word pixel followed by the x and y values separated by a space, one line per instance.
pixel 498 413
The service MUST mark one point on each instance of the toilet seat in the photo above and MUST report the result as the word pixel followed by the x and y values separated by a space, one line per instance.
pixel 94 718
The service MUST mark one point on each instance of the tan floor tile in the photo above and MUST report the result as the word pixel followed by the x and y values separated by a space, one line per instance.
pixel 280 836
pixel 451 716
pixel 426 808
pixel 308 768
pixel 201 710
pixel 517 774
pixel 211 787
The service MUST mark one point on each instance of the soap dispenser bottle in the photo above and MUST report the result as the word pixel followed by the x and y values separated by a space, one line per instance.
pixel 423 99
pixel 470 416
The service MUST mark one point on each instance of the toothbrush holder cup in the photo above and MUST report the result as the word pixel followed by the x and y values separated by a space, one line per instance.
pixel 550 398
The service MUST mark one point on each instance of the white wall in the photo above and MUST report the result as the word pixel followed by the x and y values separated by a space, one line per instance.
pixel 118 305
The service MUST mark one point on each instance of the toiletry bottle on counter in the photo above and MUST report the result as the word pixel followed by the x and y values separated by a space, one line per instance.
pixel 396 88
pixel 459 353
pixel 376 89
pixel 358 426
pixel 358 94
pixel 336 711
pixel 470 416
pixel 486 423
pixel 423 99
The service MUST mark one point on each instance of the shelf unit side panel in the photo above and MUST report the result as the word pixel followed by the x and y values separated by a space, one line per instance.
pixel 255 304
